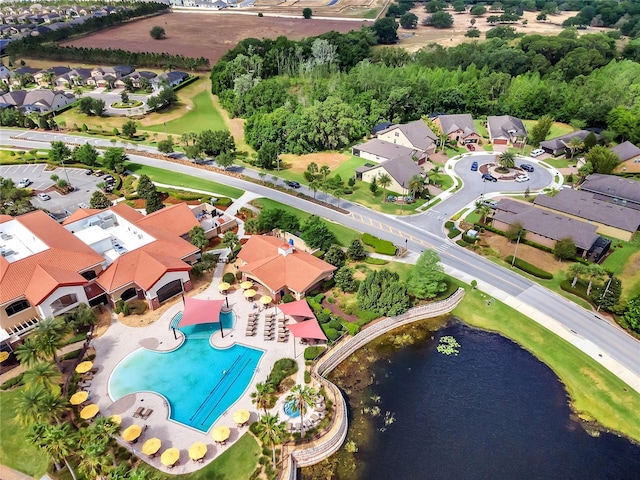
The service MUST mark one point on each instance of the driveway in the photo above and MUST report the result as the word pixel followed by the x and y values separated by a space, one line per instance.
pixel 84 186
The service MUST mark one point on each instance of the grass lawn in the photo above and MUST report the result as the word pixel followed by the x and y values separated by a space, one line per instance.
pixel 168 177
pixel 362 195
pixel 14 450
pixel 595 392
pixel 556 130
pixel 343 234
pixel 202 116
pixel 237 463
pixel 559 162
pixel 624 262
pixel 481 129
pixel 402 269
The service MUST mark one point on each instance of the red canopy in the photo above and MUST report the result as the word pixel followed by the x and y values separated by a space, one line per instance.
pixel 200 311
pixel 299 308
pixel 308 329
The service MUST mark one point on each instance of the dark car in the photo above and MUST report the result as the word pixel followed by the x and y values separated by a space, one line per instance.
pixel 526 167
pixel 474 167
pixel 292 184
pixel 489 178
pixel 89 172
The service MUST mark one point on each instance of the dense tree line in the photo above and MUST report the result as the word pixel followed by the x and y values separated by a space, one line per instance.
pixel 312 95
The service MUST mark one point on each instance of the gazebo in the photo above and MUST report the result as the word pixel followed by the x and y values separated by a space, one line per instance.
pixel 197 312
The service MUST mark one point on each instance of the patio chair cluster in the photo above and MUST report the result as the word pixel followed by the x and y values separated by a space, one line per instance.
pixel 86 378
pixel 283 332
pixel 142 413
pixel 269 327
pixel 252 324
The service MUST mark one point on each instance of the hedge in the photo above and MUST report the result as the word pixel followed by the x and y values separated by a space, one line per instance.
pixel 383 247
pixel 311 353
pixel 350 327
pixel 527 267
pixel 580 290
pixel 12 382
pixel 223 202
pixel 72 355
pixel 454 232
pixel 375 261
pixel 229 277
pixel 462 243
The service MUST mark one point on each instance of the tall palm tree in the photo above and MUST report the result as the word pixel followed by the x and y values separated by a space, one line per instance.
pixel 303 396
pixel 594 272
pixel 324 171
pixel 28 408
pixel 261 398
pixel 43 373
pixel 59 441
pixel 315 186
pixel 271 431
pixel 93 461
pixel 434 174
pixel 53 406
pixel 574 144
pixel 575 270
pixel 29 352
pixel 507 159
pixel 50 335
pixel 384 181
pixel 416 185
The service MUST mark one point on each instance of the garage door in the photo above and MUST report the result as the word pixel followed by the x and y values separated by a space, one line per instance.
pixel 499 141
pixel 169 290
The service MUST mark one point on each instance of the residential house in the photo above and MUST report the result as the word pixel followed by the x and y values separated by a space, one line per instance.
pixel 282 268
pixel 171 79
pixel 414 135
pixel 5 75
pixel 41 101
pixel 48 76
pixel 629 157
pixel 400 170
pixel 74 78
pixel 458 128
pixel 135 78
pixel 611 188
pixel 378 150
pixel 105 77
pixel 558 145
pixel 506 130
pixel 545 227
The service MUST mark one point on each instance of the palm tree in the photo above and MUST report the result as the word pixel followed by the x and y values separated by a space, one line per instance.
pixel 83 316
pixel 42 373
pixel 416 185
pixel 315 186
pixel 59 441
pixel 93 461
pixel 434 174
pixel 28 408
pixel 575 270
pixel 324 171
pixel 271 431
pixel 594 272
pixel 507 160
pixel 484 211
pixel 29 352
pixel 384 181
pixel 49 334
pixel 53 406
pixel 574 144
pixel 261 398
pixel 303 396
pixel 338 192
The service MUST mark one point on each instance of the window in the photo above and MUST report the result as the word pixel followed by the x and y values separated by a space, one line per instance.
pixel 128 294
pixel 89 274
pixel 17 307
pixel 64 302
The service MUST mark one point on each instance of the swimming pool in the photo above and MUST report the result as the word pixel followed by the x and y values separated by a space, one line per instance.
pixel 199 382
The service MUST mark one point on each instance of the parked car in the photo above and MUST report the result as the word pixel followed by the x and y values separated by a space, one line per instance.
pixel 487 177
pixel 537 152
pixel 490 203
pixel 89 172
pixel 44 197
pixel 98 173
pixel 474 167
pixel 522 178
pixel 24 183
pixel 526 167
pixel 471 146
pixel 292 184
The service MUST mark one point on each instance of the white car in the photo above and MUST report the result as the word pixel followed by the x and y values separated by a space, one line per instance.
pixel 537 152
pixel 44 197
pixel 522 178
pixel 24 183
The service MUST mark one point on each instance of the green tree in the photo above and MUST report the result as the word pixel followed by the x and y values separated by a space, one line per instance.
pixel 541 129
pixel 91 106
pixel 632 313
pixel 472 33
pixel 28 353
pixel 384 181
pixel 44 374
pixel 86 154
pixel 225 160
pixel 507 160
pixel 356 250
pixel 59 441
pixel 382 292
pixel 215 142
pixel 271 218
pixel 129 128
pixel 427 278
pixel 590 141
pixel 564 249
pixel 484 211
pixel 157 32
pixel 261 397
pixel 28 406
pixel 594 272
pixel 316 233
pixel 230 239
pixel 198 238
pixel 153 202
pixel 271 431
pixel 267 156
pixel 124 97
pixel 441 20
pixel 514 231
pixel 607 294
pixel 59 152
pixel 50 335
pixel 145 186
pixel 574 144
pixel 114 159
pixel 409 20
pixel 307 13
pixel 303 396
pixel 166 146
pixel 324 171
pixel 386 31
pixel 478 10
pixel 99 200
pixel 54 407
pixel 373 186
pixel 345 281
pixel 602 159
pixel 335 256
pixel 82 316
pixel 576 270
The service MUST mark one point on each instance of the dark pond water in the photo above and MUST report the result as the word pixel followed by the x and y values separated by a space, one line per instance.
pixel 492 412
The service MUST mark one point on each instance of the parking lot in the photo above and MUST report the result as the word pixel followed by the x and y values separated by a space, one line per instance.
pixel 83 185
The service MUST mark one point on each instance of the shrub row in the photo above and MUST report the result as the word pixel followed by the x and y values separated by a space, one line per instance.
pixel 454 232
pixel 527 267
pixel 384 247
pixel 223 202
pixel 580 290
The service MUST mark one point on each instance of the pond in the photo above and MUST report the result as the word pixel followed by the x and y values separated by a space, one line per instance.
pixel 492 411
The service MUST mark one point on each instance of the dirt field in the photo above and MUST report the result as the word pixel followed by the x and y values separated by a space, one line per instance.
pixel 208 35
pixel 536 257
pixel 298 163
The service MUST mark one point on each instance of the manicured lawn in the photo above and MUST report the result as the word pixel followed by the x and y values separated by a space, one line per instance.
pixel 481 129
pixel 237 463
pixel 14 450
pixel 343 234
pixel 362 195
pixel 624 262
pixel 595 392
pixel 557 129
pixel 168 177
pixel 560 162
pixel 202 116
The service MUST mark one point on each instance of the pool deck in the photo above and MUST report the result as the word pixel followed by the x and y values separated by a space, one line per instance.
pixel 120 340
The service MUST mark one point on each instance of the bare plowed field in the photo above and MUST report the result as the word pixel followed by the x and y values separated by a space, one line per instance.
pixel 207 35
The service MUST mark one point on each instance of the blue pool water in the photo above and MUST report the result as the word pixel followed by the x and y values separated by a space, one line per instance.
pixel 199 382
pixel 291 409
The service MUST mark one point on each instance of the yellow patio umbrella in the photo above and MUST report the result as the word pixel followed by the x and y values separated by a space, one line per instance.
pixel 250 293
pixel 117 419
pixel 3 356
pixel 151 446
pixel 84 367
pixel 89 411
pixel 222 286
pixel 246 284
pixel 132 432
pixel 170 456
pixel 265 300
pixel 241 416
pixel 79 397
pixel 197 451
pixel 221 433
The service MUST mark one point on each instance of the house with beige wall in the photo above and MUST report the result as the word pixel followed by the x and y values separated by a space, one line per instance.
pixel 458 128
pixel 414 135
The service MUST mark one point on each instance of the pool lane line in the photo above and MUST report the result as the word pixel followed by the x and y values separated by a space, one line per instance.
pixel 213 391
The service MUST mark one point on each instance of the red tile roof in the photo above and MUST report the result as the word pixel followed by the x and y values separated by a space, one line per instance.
pixel 177 219
pixel 46 279
pixel 80 214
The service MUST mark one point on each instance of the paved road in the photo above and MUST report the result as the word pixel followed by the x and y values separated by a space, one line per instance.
pixel 602 341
